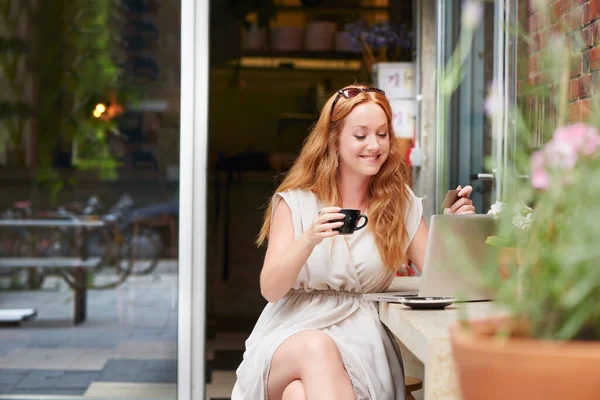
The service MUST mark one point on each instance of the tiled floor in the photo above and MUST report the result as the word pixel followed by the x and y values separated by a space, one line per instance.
pixel 127 348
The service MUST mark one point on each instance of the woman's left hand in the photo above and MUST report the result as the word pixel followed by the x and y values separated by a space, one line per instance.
pixel 464 205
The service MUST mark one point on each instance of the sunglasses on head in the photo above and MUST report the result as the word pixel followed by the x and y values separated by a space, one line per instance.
pixel 353 92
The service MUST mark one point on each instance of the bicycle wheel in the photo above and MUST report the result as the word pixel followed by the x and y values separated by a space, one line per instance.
pixel 142 250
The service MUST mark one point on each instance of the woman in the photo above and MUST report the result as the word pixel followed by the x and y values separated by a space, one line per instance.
pixel 317 338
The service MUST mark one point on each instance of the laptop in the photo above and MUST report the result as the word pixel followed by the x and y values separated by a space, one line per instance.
pixel 455 253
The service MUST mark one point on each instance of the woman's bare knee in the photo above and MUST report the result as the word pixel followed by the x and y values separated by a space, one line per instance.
pixel 305 349
pixel 319 349
pixel 294 391
pixel 312 357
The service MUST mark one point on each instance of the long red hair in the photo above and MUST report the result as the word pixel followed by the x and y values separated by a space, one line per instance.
pixel 316 169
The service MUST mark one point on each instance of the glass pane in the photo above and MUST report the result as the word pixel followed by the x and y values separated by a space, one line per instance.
pixel 89 166
pixel 469 133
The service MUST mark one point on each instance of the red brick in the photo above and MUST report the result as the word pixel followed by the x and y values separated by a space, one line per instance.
pixel 532 23
pixel 556 9
pixel 595 32
pixel 595 28
pixel 543 20
pixel 533 64
pixel 576 64
pixel 533 43
pixel 587 35
pixel 532 6
pixel 535 79
pixel 595 58
pixel 579 110
pixel 586 108
pixel 554 13
pixel 574 112
pixel 566 4
pixel 544 36
pixel 594 10
pixel 573 19
pixel 574 89
pixel 586 86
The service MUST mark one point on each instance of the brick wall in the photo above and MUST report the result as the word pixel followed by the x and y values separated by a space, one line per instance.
pixel 579 22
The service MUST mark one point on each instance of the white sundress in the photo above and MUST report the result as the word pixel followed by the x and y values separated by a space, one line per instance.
pixel 327 296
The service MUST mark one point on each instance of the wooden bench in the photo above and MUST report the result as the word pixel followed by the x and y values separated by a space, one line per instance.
pixel 76 266
pixel 16 316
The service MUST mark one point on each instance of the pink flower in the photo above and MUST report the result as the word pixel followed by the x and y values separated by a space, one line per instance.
pixel 539 176
pixel 562 152
pixel 562 155
pixel 584 139
pixel 494 103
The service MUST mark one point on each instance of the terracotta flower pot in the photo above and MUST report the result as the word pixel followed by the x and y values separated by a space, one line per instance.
pixel 523 368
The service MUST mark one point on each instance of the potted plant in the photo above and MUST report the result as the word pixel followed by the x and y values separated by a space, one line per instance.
pixel 242 9
pixel 382 42
pixel 254 16
pixel 548 345
pixel 387 51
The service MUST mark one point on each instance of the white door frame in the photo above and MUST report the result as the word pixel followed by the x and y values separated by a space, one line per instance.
pixel 504 129
pixel 504 80
pixel 192 199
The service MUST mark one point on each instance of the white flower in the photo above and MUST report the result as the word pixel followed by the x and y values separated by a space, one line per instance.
pixel 522 221
pixel 494 103
pixel 472 13
pixel 522 209
pixel 523 215
pixel 496 209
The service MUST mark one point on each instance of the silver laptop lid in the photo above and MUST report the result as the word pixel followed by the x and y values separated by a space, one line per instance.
pixel 455 253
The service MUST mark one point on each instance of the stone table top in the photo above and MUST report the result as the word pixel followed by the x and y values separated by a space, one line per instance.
pixel 426 334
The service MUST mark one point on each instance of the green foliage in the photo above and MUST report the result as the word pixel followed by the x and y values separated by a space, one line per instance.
pixel 80 74
pixel 515 219
pixel 75 70
pixel 13 110
pixel 555 286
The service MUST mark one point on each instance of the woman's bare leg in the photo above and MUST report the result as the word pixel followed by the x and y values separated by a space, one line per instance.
pixel 294 391
pixel 313 358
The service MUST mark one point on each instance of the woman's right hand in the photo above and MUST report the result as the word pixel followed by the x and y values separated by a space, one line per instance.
pixel 323 224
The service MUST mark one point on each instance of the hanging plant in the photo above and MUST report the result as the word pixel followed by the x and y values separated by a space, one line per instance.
pixel 14 111
pixel 79 76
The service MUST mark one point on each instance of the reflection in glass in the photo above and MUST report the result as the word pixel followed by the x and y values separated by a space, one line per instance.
pixel 89 166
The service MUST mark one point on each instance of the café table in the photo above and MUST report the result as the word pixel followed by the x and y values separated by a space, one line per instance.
pixel 425 335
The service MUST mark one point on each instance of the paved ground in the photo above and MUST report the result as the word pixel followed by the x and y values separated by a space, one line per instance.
pixel 126 349
pixel 130 337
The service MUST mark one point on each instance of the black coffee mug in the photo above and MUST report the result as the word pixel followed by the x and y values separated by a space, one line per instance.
pixel 350 221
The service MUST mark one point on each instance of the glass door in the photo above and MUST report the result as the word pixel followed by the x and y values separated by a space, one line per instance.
pixel 102 166
pixel 470 147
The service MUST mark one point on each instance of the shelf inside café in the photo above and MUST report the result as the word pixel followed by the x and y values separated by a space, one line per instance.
pixel 323 9
pixel 299 60
pixel 326 55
